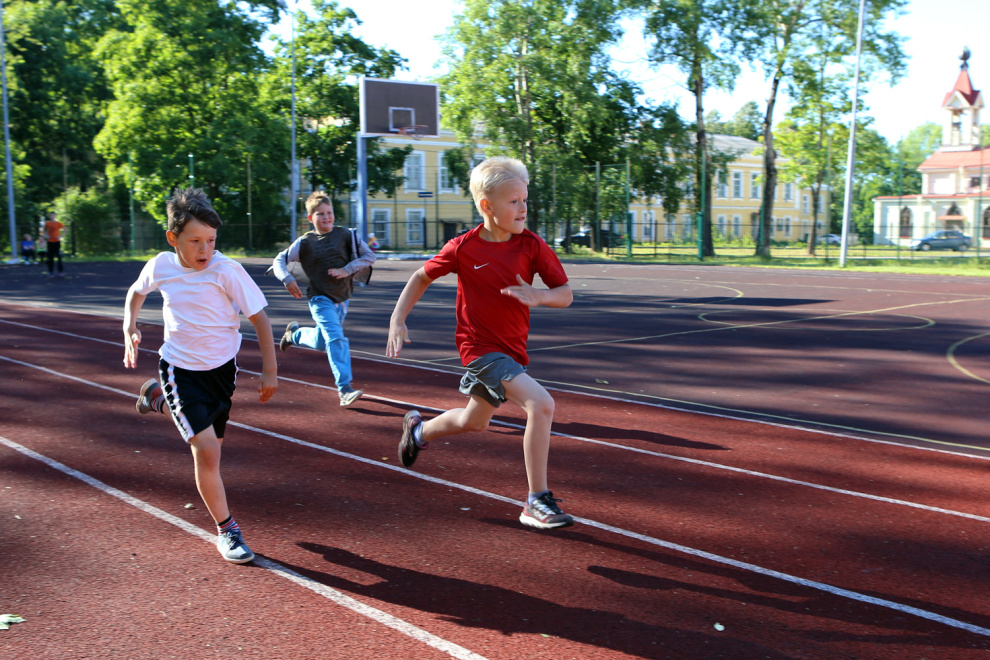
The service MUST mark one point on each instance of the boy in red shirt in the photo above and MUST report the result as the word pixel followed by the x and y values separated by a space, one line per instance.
pixel 495 263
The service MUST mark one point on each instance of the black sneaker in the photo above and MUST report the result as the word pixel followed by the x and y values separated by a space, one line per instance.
pixel 231 545
pixel 286 340
pixel 408 449
pixel 146 397
pixel 349 395
pixel 544 513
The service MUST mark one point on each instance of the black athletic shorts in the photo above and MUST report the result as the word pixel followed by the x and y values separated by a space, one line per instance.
pixel 198 399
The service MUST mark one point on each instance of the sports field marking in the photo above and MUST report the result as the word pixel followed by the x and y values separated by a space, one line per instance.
pixel 925 322
pixel 951 357
pixel 753 568
pixel 330 593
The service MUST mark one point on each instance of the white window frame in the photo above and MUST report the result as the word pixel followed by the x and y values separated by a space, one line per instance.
pixel 720 224
pixel 415 173
pixel 737 225
pixel 382 229
pixel 721 187
pixel 646 225
pixel 737 185
pixel 805 203
pixel 755 187
pixel 414 227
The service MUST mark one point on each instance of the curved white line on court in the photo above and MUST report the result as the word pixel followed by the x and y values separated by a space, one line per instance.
pixel 330 593
pixel 812 584
pixel 951 357
pixel 927 323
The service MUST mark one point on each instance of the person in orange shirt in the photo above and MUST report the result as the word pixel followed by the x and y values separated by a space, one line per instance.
pixel 53 232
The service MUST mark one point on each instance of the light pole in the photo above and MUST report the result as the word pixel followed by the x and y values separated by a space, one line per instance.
pixel 851 157
pixel 192 173
pixel 6 141
pixel 293 193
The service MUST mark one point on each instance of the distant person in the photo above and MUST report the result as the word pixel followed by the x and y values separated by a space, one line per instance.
pixel 53 232
pixel 41 248
pixel 373 243
pixel 204 292
pixel 495 265
pixel 27 249
pixel 330 257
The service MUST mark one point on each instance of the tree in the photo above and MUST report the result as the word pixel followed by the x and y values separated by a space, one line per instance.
pixel 789 32
pixel 328 58
pixel 703 39
pixel 745 123
pixel 186 108
pixel 911 151
pixel 533 79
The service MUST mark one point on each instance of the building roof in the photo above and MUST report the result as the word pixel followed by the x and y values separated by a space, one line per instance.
pixel 965 88
pixel 942 160
pixel 732 143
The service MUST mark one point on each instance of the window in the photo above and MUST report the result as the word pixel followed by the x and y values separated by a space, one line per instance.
pixel 720 224
pixel 821 202
pixel 906 228
pixel 671 226
pixel 648 220
pixel 414 227
pixel 805 204
pixel 754 186
pixel 446 185
pixel 379 225
pixel 415 171
pixel 721 187
pixel 986 223
pixel 788 192
pixel 737 185
pixel 737 225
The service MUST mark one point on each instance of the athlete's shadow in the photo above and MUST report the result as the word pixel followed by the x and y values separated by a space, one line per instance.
pixel 485 606
pixel 614 433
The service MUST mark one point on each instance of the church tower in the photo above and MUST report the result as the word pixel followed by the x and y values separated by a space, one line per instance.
pixel 961 129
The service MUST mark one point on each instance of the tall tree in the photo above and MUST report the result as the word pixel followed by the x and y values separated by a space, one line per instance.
pixel 186 107
pixel 788 32
pixel 703 38
pixel 533 79
pixel 328 58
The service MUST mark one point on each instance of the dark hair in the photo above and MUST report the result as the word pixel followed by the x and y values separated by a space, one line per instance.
pixel 187 204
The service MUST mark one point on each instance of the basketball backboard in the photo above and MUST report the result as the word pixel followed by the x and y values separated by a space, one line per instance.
pixel 391 107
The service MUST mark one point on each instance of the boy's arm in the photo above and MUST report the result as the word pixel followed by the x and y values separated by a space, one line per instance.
pixel 132 336
pixel 398 334
pixel 527 294
pixel 269 365
pixel 281 270
pixel 364 259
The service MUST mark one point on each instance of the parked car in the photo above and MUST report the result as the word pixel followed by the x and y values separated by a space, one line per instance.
pixel 608 239
pixel 946 239
pixel 830 239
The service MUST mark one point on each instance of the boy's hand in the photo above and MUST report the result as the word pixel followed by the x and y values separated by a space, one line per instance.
pixel 132 339
pixel 338 273
pixel 267 385
pixel 293 288
pixel 398 335
pixel 524 293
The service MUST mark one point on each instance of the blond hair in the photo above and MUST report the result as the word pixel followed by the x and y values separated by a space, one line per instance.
pixel 492 173
pixel 316 198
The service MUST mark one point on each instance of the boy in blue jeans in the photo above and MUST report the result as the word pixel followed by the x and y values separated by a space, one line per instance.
pixel 495 264
pixel 328 260
pixel 204 294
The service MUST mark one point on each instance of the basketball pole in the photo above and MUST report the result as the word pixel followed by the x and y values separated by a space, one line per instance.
pixel 293 185
pixel 851 156
pixel 361 208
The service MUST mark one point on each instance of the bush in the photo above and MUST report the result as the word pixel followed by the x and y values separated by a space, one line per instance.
pixel 91 219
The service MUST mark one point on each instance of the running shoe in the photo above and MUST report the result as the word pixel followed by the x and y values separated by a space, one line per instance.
pixel 408 449
pixel 146 397
pixel 349 395
pixel 231 545
pixel 286 340
pixel 544 513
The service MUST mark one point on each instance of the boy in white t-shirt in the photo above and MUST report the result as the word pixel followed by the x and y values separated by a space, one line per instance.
pixel 204 292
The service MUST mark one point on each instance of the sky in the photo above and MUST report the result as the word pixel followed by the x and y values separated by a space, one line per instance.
pixel 935 30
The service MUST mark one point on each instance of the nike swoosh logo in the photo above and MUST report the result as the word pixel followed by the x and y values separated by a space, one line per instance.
pixel 481 266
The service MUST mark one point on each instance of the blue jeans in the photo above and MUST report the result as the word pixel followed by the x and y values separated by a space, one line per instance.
pixel 329 335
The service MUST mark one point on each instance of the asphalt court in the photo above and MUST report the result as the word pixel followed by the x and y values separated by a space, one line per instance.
pixel 904 358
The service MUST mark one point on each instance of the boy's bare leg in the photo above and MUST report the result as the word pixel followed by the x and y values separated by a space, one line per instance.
pixel 538 404
pixel 474 417
pixel 206 458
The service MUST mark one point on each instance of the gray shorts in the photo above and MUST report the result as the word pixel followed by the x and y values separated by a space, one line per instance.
pixel 485 375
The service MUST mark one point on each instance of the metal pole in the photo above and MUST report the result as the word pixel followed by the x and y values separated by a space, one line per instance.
pixel 978 228
pixel 130 195
pixel 192 172
pixel 6 140
pixel 851 156
pixel 701 209
pixel 629 222
pixel 293 185
pixel 250 219
pixel 595 232
pixel 900 204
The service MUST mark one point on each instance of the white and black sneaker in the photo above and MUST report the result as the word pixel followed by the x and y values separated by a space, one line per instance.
pixel 544 513
pixel 150 391
pixel 286 340
pixel 349 395
pixel 233 548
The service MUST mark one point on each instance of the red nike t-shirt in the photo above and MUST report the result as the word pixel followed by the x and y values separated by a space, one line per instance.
pixel 487 320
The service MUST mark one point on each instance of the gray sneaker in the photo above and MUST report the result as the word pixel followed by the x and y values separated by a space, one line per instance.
pixel 349 395
pixel 231 545
pixel 545 514
pixel 286 340
pixel 146 397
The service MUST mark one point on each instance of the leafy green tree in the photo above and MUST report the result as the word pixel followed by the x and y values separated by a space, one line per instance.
pixel 328 58
pixel 703 38
pixel 187 108
pixel 789 32
pixel 911 151
pixel 533 79
pixel 92 219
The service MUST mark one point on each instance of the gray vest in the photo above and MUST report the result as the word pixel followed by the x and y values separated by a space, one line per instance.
pixel 318 253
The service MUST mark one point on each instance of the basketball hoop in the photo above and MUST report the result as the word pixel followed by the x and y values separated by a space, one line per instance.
pixel 416 131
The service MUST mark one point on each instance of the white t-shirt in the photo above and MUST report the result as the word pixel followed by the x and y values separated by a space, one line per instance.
pixel 202 327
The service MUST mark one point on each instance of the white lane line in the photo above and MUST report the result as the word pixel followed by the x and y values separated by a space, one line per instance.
pixel 753 568
pixel 337 597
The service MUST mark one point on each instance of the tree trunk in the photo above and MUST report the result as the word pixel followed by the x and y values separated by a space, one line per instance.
pixel 702 178
pixel 769 172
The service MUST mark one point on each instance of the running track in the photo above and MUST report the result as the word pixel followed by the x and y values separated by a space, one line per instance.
pixel 730 534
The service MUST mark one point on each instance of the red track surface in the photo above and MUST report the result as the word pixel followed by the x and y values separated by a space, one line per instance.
pixel 700 536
